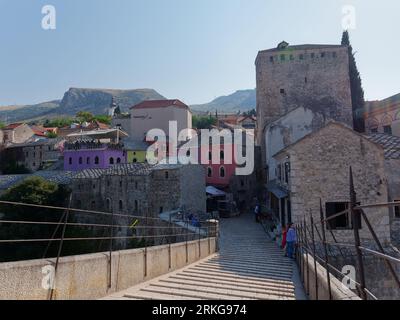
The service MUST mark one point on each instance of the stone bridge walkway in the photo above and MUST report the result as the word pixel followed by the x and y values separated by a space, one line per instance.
pixel 249 266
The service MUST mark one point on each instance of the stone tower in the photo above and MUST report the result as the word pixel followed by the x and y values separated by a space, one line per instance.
pixel 313 76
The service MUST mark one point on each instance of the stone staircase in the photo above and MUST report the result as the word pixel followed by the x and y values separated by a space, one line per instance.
pixel 249 266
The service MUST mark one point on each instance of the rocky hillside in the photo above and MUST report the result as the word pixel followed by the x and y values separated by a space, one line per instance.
pixel 95 101
pixel 242 100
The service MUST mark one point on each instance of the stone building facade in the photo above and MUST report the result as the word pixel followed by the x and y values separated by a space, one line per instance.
pixel 140 190
pixel 391 145
pixel 383 116
pixel 317 167
pixel 311 76
pixel 16 133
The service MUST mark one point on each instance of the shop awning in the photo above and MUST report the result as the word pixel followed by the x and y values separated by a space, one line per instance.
pixel 214 191
pixel 277 191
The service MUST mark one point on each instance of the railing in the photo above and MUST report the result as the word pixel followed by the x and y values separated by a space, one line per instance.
pixel 307 241
pixel 56 226
pixel 87 145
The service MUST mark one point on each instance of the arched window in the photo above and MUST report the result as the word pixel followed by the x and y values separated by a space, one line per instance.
pixel 373 125
pixel 209 156
pixel 96 160
pixel 209 172
pixel 188 153
pixel 118 160
pixel 387 120
pixel 70 160
pixel 134 160
pixel 222 154
pixel 80 160
pixel 111 160
pixel 87 160
pixel 222 172
pixel 120 206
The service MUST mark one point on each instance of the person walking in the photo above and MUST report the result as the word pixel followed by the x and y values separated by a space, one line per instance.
pixel 283 244
pixel 291 239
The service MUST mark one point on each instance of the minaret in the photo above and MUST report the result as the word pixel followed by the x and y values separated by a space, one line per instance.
pixel 114 109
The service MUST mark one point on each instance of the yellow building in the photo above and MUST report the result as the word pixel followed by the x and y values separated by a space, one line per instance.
pixel 136 151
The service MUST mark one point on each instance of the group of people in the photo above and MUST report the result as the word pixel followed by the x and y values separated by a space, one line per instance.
pixel 289 237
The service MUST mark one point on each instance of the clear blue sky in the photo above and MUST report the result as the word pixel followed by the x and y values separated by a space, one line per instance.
pixel 194 50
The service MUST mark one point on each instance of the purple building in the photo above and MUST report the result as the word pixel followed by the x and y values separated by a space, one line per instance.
pixel 96 149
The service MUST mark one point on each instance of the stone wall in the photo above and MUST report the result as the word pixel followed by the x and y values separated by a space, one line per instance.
pixel 392 167
pixel 86 277
pixel 319 169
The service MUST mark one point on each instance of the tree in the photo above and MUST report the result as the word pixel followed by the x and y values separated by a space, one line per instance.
pixel 2 125
pixel 203 122
pixel 357 92
pixel 84 116
pixel 103 119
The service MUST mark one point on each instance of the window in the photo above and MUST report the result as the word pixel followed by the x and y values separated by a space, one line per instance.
pixel 120 183
pixel 387 129
pixel 70 160
pixel 287 171
pixel 166 174
pixel 374 130
pixel 87 160
pixel 291 57
pixel 279 174
pixel 301 56
pixel 242 183
pixel 108 183
pixel 397 210
pixel 305 80
pixel 341 222
pixel 79 204
pixel 93 205
pixel 209 156
pixel 120 206
pixel 111 160
pixel 334 54
pixel 282 91
pixel 161 209
pixel 136 205
pixel 108 205
pixel 96 160
pixel 80 160
pixel 118 160
pixel 134 160
pixel 188 153
pixel 136 185
pixel 222 155
pixel 283 57
pixel 323 54
pixel 94 186
pixel 222 172
pixel 312 55
pixel 209 172
pixel 271 59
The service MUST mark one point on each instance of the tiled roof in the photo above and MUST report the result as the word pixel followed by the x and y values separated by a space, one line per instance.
pixel 130 169
pixel 12 126
pixel 160 104
pixel 42 142
pixel 391 144
pixel 59 177
pixel 89 173
pixel 135 145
